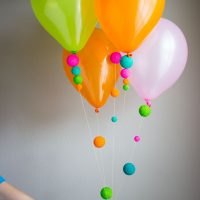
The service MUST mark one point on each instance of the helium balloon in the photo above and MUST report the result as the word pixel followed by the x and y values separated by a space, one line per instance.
pixel 127 22
pixel 98 76
pixel 160 61
pixel 70 22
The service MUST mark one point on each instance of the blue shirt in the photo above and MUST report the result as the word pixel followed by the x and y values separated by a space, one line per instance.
pixel 2 179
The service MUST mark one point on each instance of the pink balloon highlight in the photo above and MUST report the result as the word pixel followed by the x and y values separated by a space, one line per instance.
pixel 72 60
pixel 115 57
pixel 160 60
pixel 125 73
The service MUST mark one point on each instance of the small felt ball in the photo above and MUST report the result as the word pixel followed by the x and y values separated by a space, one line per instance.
pixel 78 79
pixel 144 110
pixel 126 62
pixel 115 57
pixel 114 119
pixel 79 87
pixel 126 81
pixel 125 73
pixel 99 142
pixel 106 193
pixel 126 87
pixel 76 70
pixel 72 60
pixel 129 169
pixel 137 138
pixel 115 92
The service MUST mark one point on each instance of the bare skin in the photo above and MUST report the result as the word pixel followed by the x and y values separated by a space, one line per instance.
pixel 8 192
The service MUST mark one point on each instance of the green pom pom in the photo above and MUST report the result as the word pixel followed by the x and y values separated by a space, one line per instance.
pixel 145 111
pixel 126 87
pixel 78 79
pixel 106 193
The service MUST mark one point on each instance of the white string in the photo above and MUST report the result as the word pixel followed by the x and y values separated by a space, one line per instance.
pixel 131 154
pixel 91 140
pixel 100 153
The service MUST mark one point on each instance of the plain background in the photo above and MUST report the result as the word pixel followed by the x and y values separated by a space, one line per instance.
pixel 45 147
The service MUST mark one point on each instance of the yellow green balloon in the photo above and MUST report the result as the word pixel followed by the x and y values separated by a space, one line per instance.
pixel 70 22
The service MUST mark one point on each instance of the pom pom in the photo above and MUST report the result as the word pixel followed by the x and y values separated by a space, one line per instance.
pixel 115 92
pixel 144 110
pixel 106 193
pixel 126 81
pixel 126 62
pixel 78 79
pixel 72 60
pixel 126 87
pixel 115 57
pixel 137 138
pixel 76 71
pixel 79 87
pixel 125 73
pixel 99 142
pixel 129 169
pixel 114 119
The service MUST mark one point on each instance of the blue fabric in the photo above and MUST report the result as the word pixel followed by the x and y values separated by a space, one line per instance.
pixel 2 179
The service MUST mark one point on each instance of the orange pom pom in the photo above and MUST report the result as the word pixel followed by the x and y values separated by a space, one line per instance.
pixel 115 92
pixel 126 81
pixel 79 87
pixel 99 142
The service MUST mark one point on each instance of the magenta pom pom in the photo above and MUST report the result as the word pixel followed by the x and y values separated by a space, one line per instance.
pixel 137 138
pixel 115 57
pixel 125 73
pixel 72 60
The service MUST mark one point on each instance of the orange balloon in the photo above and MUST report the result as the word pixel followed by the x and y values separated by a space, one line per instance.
pixel 127 22
pixel 96 69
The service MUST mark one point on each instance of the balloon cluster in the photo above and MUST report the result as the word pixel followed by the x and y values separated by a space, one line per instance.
pixel 159 47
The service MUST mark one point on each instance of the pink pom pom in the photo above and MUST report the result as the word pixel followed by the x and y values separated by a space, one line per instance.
pixel 72 60
pixel 115 57
pixel 137 138
pixel 125 73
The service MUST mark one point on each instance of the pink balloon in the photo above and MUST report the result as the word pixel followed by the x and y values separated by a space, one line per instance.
pixel 160 60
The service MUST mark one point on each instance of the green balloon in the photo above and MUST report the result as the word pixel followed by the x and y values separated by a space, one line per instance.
pixel 78 79
pixel 70 22
pixel 145 111
pixel 106 193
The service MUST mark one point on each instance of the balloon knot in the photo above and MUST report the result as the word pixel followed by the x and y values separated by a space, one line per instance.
pixel 148 102
pixel 97 110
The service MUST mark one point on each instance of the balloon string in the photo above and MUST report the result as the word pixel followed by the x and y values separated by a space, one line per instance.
pixel 91 139
pixel 113 139
pixel 100 153
pixel 131 155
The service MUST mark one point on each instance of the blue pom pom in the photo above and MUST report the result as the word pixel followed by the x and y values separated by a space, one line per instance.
pixel 126 62
pixel 76 70
pixel 129 169
pixel 2 180
pixel 114 119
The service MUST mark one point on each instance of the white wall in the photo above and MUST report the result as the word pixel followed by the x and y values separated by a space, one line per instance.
pixel 44 142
